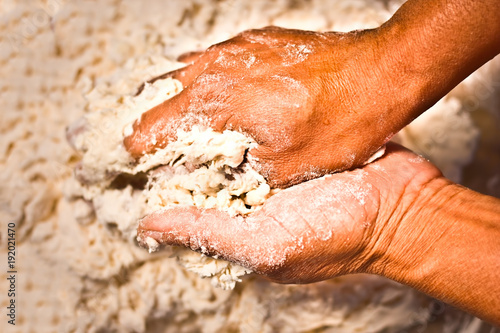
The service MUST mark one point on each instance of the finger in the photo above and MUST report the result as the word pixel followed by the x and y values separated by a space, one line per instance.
pixel 158 126
pixel 190 57
pixel 209 231
pixel 193 106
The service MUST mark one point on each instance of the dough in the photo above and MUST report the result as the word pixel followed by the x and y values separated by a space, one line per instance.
pixel 201 168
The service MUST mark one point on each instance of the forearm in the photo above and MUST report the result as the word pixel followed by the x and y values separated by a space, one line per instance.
pixel 432 45
pixel 448 246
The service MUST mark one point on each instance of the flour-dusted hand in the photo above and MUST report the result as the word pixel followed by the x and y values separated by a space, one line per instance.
pixel 298 93
pixel 322 102
pixel 313 231
pixel 397 217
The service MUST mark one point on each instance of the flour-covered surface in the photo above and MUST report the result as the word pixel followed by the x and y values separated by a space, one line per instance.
pixel 79 267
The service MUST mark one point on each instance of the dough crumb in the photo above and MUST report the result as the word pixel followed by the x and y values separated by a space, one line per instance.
pixel 152 244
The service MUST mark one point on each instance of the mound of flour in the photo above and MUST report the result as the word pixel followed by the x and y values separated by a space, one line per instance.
pixel 201 168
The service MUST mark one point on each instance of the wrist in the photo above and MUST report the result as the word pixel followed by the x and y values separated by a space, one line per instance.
pixel 403 79
pixel 370 90
pixel 445 244
pixel 412 231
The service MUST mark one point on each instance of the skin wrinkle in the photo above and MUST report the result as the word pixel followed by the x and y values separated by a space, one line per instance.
pixel 386 245
pixel 320 201
pixel 348 210
pixel 390 240
pixel 281 224
pixel 375 238
pixel 261 251
pixel 312 231
pixel 204 84
pixel 367 223
pixel 356 190
pixel 200 238
pixel 325 199
pixel 328 233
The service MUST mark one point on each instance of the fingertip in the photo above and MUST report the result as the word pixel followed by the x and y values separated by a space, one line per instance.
pixel 154 129
pixel 139 141
pixel 184 74
pixel 164 219
pixel 208 230
pixel 166 227
pixel 129 142
pixel 150 240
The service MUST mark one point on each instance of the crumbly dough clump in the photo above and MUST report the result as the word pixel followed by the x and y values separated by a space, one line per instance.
pixel 201 168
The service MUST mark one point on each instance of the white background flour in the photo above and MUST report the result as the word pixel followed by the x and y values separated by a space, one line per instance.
pixel 78 275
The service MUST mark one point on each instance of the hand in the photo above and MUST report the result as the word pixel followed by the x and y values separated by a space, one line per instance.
pixel 316 230
pixel 299 94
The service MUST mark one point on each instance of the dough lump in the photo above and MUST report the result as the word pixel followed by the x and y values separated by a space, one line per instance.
pixel 201 168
